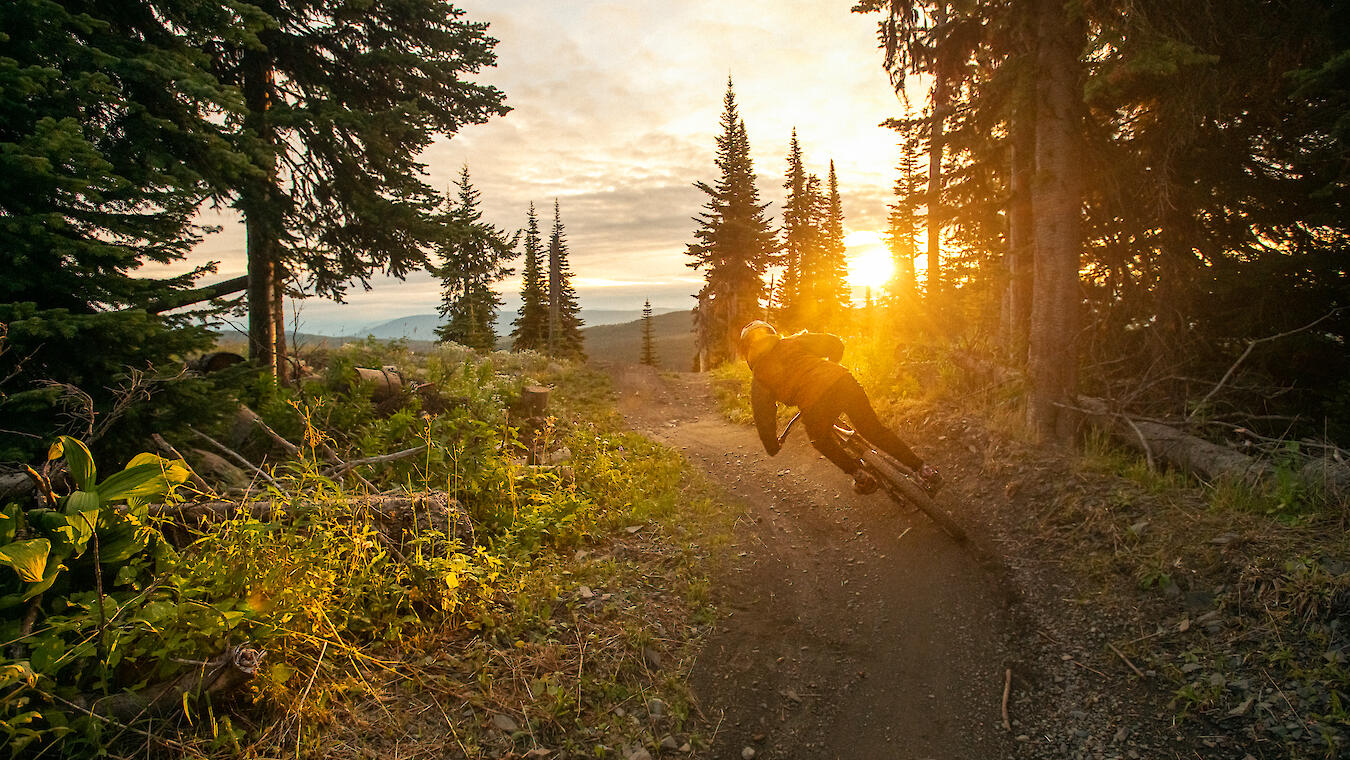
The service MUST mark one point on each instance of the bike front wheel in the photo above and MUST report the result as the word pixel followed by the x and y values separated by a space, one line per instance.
pixel 895 479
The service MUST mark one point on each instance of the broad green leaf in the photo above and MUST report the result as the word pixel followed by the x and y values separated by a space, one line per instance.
pixel 151 479
pixel 121 540
pixel 28 558
pixel 9 522
pixel 80 461
pixel 82 501
pixel 55 451
pixel 54 568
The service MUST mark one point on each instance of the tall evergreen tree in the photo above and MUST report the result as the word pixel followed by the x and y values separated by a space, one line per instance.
pixel 340 100
pixel 109 138
pixel 648 356
pixel 832 273
pixel 531 326
pixel 564 311
pixel 902 226
pixel 473 258
pixel 734 242
pixel 798 237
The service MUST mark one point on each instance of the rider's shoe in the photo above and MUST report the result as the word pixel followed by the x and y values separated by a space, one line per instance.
pixel 864 483
pixel 930 480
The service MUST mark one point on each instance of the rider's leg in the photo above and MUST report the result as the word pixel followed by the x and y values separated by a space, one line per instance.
pixel 852 399
pixel 819 424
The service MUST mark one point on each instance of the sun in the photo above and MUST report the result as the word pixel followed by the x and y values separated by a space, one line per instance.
pixel 869 263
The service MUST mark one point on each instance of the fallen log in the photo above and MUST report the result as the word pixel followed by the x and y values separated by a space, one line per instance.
pixel 1189 453
pixel 1160 443
pixel 398 517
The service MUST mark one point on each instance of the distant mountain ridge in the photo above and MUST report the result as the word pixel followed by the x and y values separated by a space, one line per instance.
pixel 423 326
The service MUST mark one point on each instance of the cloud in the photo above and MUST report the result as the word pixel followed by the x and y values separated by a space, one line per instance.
pixel 616 106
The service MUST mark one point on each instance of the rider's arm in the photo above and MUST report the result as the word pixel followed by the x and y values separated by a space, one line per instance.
pixel 822 344
pixel 765 408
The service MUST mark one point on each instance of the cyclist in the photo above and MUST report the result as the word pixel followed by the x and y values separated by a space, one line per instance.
pixel 803 370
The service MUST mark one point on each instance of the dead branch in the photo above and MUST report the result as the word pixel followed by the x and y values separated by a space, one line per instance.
pixel 1007 689
pixel 1126 660
pixel 196 479
pixel 1247 352
pixel 236 456
pixel 383 458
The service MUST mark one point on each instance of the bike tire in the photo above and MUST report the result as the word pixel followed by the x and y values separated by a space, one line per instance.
pixel 894 477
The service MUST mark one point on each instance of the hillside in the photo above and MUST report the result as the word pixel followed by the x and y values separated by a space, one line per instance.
pixel 672 336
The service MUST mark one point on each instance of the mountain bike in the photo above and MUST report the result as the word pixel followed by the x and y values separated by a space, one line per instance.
pixel 899 481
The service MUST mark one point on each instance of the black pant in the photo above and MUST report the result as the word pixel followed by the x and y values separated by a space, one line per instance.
pixel 847 397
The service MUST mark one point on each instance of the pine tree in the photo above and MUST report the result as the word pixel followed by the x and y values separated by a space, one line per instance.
pixel 564 312
pixel 531 327
pixel 648 344
pixel 798 237
pixel 338 104
pixel 734 243
pixel 902 226
pixel 832 274
pixel 473 257
pixel 108 138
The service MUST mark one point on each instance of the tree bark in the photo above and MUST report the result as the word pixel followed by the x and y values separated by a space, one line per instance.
pixel 261 326
pixel 280 365
pixel 1052 359
pixel 258 203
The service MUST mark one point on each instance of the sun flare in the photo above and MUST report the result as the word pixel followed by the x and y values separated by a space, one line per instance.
pixel 869 263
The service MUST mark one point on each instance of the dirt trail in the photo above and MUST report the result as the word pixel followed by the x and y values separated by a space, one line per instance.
pixel 851 628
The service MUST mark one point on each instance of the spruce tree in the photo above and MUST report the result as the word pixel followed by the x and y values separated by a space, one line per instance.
pixel 734 243
pixel 473 257
pixel 109 135
pixel 832 270
pixel 648 344
pixel 339 102
pixel 564 312
pixel 902 226
pixel 531 326
pixel 798 237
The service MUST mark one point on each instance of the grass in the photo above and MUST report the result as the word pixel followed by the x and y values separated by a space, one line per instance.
pixel 580 601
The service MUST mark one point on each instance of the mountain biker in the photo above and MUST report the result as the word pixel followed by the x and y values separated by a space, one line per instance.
pixel 803 370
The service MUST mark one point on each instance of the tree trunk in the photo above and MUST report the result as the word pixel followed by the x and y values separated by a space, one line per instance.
pixel 258 202
pixel 261 326
pixel 280 364
pixel 1052 359
pixel 554 301
pixel 1021 221
pixel 933 219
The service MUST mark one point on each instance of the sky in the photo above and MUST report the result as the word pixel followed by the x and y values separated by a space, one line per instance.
pixel 616 106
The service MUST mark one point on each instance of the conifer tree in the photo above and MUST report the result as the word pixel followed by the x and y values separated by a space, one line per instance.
pixel 108 140
pixel 832 270
pixel 902 225
pixel 798 237
pixel 531 327
pixel 648 344
pixel 734 243
pixel 473 257
pixel 339 102
pixel 564 312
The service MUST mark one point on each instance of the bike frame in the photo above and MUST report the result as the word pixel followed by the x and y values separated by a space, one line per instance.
pixel 899 482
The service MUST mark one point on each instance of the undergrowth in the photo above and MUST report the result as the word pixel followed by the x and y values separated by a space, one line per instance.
pixel 563 620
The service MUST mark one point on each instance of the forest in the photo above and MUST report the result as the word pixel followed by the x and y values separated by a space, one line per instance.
pixel 1118 237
